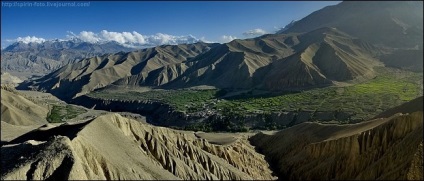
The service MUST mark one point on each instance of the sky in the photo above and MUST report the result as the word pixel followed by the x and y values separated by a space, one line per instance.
pixel 211 21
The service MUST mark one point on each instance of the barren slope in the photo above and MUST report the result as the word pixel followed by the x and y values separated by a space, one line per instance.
pixel 323 56
pixel 18 114
pixel 384 148
pixel 97 72
pixel 270 62
pixel 232 65
pixel 395 25
pixel 283 61
pixel 17 110
pixel 6 78
pixel 113 147
pixel 391 23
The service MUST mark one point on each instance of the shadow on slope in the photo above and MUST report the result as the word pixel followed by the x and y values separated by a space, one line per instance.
pixel 385 148
pixel 40 134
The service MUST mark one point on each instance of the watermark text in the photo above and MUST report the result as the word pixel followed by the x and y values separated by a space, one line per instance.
pixel 20 4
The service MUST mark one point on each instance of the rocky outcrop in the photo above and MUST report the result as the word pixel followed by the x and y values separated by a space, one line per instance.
pixel 112 147
pixel 384 149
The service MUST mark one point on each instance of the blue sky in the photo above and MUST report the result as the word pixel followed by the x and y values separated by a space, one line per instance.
pixel 210 20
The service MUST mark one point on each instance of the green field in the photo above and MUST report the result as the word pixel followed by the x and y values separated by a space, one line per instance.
pixel 60 113
pixel 390 88
pixel 367 99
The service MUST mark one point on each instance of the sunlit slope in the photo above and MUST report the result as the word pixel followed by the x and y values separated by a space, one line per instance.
pixel 17 110
pixel 271 62
pixel 114 147
pixel 391 23
pixel 97 72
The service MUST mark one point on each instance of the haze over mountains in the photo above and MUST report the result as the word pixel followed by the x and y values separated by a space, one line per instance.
pixel 390 23
pixel 387 24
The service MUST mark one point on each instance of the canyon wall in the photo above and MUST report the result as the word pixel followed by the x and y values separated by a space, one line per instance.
pixel 385 148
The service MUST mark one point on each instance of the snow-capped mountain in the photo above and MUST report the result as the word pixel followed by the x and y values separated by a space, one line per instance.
pixel 52 54
pixel 48 55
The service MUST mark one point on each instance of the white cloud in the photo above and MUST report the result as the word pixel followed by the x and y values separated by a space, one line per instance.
pixel 254 32
pixel 133 39
pixel 89 36
pixel 128 39
pixel 227 38
pixel 161 39
pixel 203 39
pixel 30 39
pixel 139 38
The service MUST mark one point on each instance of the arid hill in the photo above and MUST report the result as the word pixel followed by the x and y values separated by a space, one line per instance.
pixel 6 78
pixel 397 24
pixel 270 62
pixel 387 148
pixel 97 72
pixel 323 57
pixel 114 147
pixel 18 114
pixel 281 61
pixel 17 110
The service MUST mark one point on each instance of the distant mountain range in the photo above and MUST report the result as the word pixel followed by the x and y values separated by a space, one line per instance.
pixel 50 55
pixel 271 62
pixel 306 55
pixel 97 72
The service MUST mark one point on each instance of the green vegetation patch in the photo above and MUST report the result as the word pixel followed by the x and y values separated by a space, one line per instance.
pixel 60 113
pixel 391 87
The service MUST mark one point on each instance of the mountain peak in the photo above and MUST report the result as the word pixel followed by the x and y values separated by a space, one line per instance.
pixel 392 24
